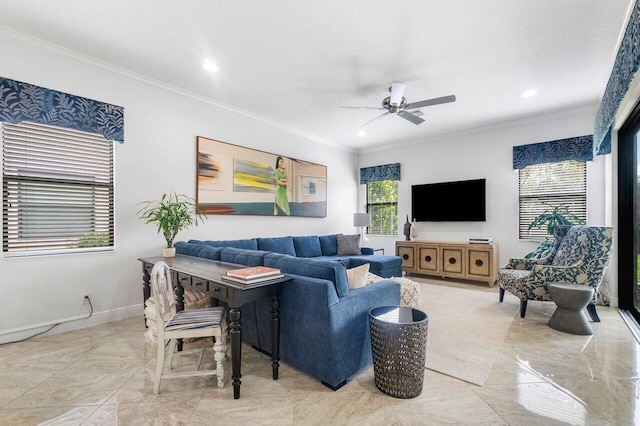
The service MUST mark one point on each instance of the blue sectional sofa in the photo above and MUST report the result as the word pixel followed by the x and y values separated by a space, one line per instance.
pixel 324 327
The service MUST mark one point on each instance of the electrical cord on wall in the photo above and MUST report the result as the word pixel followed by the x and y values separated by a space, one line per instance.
pixel 52 327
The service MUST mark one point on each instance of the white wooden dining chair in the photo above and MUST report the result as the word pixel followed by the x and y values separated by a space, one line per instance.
pixel 191 323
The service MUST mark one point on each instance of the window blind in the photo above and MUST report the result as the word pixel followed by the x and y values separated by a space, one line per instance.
pixel 57 190
pixel 545 186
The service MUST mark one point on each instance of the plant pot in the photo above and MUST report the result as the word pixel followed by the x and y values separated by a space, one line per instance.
pixel 169 252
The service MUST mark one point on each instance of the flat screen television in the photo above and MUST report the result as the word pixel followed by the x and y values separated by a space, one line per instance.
pixel 461 201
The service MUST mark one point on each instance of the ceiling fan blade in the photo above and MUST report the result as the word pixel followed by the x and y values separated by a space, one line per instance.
pixel 362 107
pixel 410 116
pixel 371 121
pixel 397 90
pixel 429 102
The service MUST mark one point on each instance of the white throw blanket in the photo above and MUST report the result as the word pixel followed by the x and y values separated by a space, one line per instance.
pixel 409 290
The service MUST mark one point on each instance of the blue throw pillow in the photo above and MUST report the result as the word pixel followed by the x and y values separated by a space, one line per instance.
pixel 329 244
pixel 283 245
pixel 307 246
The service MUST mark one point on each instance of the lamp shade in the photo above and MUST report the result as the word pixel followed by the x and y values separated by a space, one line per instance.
pixel 361 219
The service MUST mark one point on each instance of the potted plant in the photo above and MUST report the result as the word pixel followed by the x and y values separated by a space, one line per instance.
pixel 554 215
pixel 172 213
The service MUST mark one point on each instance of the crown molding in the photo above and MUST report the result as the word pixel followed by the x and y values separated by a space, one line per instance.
pixel 75 58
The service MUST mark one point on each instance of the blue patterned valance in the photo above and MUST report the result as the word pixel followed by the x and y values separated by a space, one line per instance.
pixel 26 102
pixel 579 149
pixel 378 173
pixel 624 70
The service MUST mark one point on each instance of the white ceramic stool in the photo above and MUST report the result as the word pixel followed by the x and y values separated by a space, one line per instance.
pixel 571 300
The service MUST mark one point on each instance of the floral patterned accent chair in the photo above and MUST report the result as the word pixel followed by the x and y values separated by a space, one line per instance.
pixel 580 256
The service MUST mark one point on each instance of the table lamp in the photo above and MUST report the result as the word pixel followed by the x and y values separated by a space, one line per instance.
pixel 362 220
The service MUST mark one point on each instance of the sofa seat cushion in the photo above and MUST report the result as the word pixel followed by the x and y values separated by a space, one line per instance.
pixel 282 245
pixel 307 246
pixel 314 268
pixel 329 244
pixel 381 265
pixel 198 250
pixel 249 244
pixel 242 256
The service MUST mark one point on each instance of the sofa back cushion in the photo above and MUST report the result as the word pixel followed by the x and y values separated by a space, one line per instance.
pixel 198 250
pixel 283 245
pixel 243 256
pixel 324 269
pixel 307 246
pixel 329 244
pixel 249 244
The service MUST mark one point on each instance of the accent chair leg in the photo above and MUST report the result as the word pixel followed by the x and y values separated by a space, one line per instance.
pixel 220 354
pixel 591 308
pixel 523 308
pixel 501 294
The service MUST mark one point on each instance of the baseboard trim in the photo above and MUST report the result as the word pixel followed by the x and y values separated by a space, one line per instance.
pixel 72 323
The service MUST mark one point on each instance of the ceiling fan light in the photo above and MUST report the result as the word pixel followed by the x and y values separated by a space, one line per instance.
pixel 397 90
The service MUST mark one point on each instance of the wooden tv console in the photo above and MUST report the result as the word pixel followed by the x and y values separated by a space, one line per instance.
pixel 477 262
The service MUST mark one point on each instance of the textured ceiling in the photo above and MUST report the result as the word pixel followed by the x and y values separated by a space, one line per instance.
pixel 294 63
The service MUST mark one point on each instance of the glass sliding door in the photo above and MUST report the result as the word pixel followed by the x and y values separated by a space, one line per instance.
pixel 629 214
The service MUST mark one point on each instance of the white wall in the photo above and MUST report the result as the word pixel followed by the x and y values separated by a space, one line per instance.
pixel 484 153
pixel 158 156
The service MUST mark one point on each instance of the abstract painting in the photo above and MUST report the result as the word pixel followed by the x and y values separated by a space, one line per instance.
pixel 232 179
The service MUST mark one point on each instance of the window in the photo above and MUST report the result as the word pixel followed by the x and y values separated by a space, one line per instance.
pixel 57 190
pixel 547 185
pixel 382 205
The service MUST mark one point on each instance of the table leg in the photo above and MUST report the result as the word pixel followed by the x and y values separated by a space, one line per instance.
pixel 146 287
pixel 236 349
pixel 275 336
pixel 179 292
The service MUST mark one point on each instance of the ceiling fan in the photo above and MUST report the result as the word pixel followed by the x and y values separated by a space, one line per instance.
pixel 396 103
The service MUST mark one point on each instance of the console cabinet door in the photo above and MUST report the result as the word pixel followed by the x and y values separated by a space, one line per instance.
pixel 428 259
pixel 407 254
pixel 479 264
pixel 453 260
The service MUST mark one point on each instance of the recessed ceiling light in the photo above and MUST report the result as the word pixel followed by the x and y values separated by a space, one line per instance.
pixel 210 66
pixel 361 132
pixel 529 93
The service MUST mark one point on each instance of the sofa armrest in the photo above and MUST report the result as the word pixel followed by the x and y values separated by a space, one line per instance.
pixel 316 292
pixel 366 250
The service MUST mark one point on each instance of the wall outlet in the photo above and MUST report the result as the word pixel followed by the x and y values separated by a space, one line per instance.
pixel 85 298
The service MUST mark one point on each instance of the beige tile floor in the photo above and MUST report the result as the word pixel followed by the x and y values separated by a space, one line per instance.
pixel 103 375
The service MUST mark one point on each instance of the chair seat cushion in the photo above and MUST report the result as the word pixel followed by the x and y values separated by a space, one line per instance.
pixel 196 318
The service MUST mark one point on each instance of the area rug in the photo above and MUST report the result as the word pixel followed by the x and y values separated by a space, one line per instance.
pixel 466 330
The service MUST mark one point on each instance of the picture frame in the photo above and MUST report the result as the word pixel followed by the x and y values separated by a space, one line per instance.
pixel 236 180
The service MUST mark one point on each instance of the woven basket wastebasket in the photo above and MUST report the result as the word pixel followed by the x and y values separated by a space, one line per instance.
pixel 398 344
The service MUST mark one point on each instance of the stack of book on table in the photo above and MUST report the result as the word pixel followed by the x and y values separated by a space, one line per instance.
pixel 252 275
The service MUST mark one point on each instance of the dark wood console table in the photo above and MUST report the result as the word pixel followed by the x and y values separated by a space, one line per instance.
pixel 205 275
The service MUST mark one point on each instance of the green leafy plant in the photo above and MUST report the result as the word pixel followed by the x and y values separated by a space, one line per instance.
pixel 93 239
pixel 549 219
pixel 555 215
pixel 172 213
